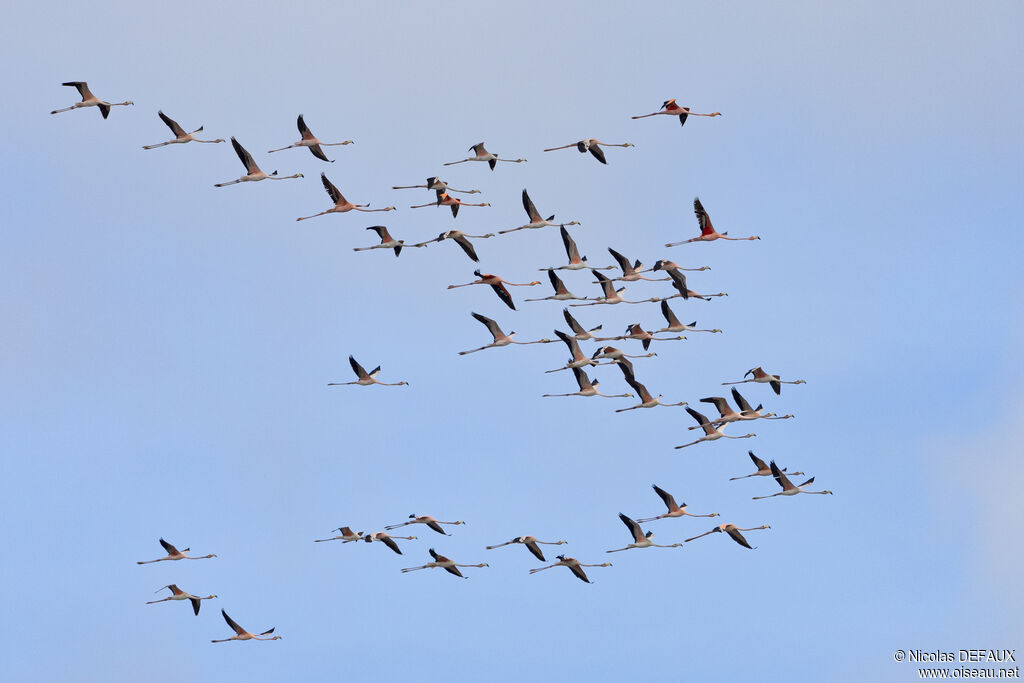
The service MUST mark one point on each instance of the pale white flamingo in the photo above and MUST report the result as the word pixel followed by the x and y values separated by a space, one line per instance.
pixel 670 108
pixel 311 142
pixel 90 100
pixel 612 295
pixel 341 205
pixel 180 136
pixel 432 523
pixel 536 220
pixel 734 533
pixel 679 283
pixel 707 231
pixel 531 544
pixel 252 171
pixel 387 539
pixel 666 265
pixel 443 199
pixel 572 251
pixel 500 338
pixel 460 238
pixel 748 413
pixel 562 293
pixel 365 378
pixel 638 333
pixel 587 388
pixel 630 271
pixel 436 184
pixel 646 400
pixel 241 633
pixel 574 565
pixel 174 554
pixel 761 377
pixel 386 241
pixel 483 155
pixel 673 322
pixel 578 359
pixel 444 563
pixel 579 333
pixel 593 146
pixel 788 489
pixel 178 594
pixel 640 539
pixel 674 509
pixel 347 536
pixel 711 433
pixel 498 285
pixel 763 470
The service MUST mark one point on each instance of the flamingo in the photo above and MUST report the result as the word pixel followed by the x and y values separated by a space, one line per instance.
pixel 531 544
pixel 90 100
pixel 443 199
pixel 341 205
pixel 612 295
pixel 631 271
pixel 432 523
pixel 761 377
pixel 460 238
pixel 673 322
pixel 573 252
pixel 646 400
pixel 674 510
pixel 252 171
pixel 444 563
pixel 578 359
pixel 666 265
pixel 500 338
pixel 748 413
pixel 536 221
pixel 727 414
pixel 311 142
pixel 787 486
pixel 711 433
pixel 707 231
pixel 561 291
pixel 587 388
pixel 574 565
pixel 670 108
pixel 579 333
pixel 347 536
pixel 734 533
pixel 762 469
pixel 640 539
pixel 387 539
pixel 498 285
pixel 483 155
pixel 436 184
pixel 174 554
pixel 386 241
pixel 617 355
pixel 365 378
pixel 241 633
pixel 593 146
pixel 679 283
pixel 180 136
pixel 635 331
pixel 178 594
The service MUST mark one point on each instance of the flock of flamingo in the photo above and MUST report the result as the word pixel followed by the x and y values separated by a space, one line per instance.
pixel 632 271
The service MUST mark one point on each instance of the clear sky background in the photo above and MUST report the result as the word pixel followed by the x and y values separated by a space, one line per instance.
pixel 166 345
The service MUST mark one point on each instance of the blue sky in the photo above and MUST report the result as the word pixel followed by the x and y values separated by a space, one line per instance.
pixel 167 344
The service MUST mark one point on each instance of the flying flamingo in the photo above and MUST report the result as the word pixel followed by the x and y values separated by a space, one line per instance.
pixel 573 252
pixel 444 563
pixel 90 100
pixel 500 338
pixel 387 539
pixel 386 241
pixel 347 536
pixel 670 108
pixel 252 171
pixel 587 388
pixel 679 283
pixel 711 433
pixel 707 231
pixel 432 523
pixel 578 359
pixel 734 533
pixel 761 377
pixel 579 333
pixel 574 565
pixel 612 295
pixel 762 469
pixel 341 205
pixel 443 199
pixel 536 221
pixel 617 354
pixel 640 539
pixel 311 142
pixel 562 293
pixel 460 238
pixel 498 285
pixel 241 633
pixel 666 265
pixel 531 544
pixel 674 510
pixel 673 322
pixel 748 413
pixel 646 400
pixel 174 554
pixel 180 136
pixel 787 486
pixel 727 414
pixel 178 594
pixel 593 146
pixel 483 155
pixel 635 331
pixel 631 271
pixel 437 185
pixel 365 378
